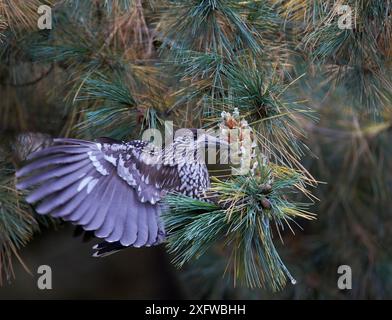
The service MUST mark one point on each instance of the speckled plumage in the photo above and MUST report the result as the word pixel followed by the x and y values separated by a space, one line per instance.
pixel 113 188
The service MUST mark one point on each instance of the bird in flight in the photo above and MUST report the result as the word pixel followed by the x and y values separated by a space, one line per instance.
pixel 115 188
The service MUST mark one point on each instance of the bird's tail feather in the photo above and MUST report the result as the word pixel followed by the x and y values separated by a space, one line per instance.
pixel 105 249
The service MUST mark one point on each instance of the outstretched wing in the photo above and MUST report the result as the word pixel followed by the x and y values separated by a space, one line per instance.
pixel 103 186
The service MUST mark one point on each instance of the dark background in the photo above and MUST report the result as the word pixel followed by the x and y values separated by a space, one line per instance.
pixel 131 274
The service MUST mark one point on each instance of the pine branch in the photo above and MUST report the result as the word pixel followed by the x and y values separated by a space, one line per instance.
pixel 260 96
pixel 207 26
pixel 101 88
pixel 130 99
pixel 354 57
pixel 17 224
pixel 240 219
pixel 20 14
pixel 127 103
pixel 3 26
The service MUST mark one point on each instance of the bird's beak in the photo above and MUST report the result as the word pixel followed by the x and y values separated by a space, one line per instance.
pixel 211 141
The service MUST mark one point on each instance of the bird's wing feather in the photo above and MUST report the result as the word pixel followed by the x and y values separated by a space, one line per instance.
pixel 97 186
pixel 141 167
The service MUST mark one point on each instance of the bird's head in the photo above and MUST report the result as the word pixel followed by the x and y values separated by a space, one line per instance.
pixel 198 138
pixel 192 143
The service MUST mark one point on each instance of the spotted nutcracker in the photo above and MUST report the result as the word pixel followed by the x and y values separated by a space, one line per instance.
pixel 115 188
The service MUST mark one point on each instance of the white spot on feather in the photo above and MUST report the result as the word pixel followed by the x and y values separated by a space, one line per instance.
pixel 91 185
pixel 83 183
pixel 97 164
pixel 125 173
pixel 146 179
pixel 111 159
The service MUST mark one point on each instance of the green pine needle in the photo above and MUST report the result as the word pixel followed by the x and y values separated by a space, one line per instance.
pixel 17 223
pixel 239 222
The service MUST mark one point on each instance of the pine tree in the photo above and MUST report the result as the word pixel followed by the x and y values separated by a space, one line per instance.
pixel 315 96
